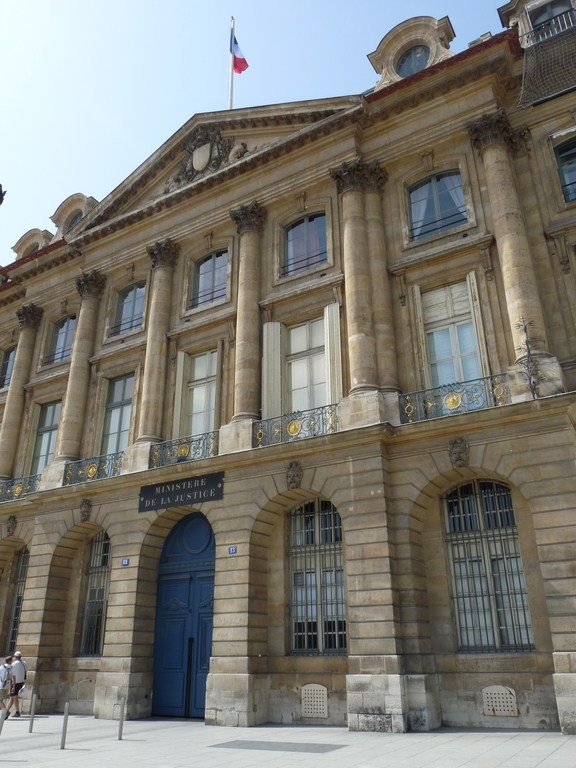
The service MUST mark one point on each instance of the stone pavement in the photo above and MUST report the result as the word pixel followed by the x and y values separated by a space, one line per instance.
pixel 166 743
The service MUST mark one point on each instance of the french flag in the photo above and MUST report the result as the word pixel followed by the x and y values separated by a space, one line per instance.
pixel 239 62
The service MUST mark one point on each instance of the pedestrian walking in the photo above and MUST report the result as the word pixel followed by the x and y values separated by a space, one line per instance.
pixel 5 678
pixel 18 671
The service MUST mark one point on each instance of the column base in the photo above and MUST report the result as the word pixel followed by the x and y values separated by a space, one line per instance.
pixel 377 702
pixel 236 436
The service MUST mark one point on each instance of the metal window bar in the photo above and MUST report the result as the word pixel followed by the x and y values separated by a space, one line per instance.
pixel 569 191
pixel 309 259
pixel 13 489
pixel 95 468
pixel 297 425
pixel 58 355
pixel 126 325
pixel 317 579
pixel 183 449
pixel 97 584
pixel 455 398
pixel 424 228
pixel 207 296
pixel 489 590
pixel 17 599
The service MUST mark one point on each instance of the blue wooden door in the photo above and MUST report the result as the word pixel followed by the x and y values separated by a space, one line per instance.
pixel 184 611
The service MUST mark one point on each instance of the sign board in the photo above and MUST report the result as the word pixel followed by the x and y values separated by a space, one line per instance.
pixel 180 493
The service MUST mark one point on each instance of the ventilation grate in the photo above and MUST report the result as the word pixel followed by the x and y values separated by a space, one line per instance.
pixel 314 701
pixel 499 701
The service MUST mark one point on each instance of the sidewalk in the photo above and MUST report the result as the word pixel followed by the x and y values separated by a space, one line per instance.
pixel 165 743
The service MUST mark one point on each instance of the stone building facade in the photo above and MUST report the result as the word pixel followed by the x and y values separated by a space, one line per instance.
pixel 288 418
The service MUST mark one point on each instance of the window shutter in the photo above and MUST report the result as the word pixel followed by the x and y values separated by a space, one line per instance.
pixel 333 353
pixel 478 324
pixel 272 359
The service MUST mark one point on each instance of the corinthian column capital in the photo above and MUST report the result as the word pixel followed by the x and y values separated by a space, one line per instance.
pixel 163 253
pixel 29 316
pixel 249 217
pixel 491 129
pixel 91 283
pixel 359 175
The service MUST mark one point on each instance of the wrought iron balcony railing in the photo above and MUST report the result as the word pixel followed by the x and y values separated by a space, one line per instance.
pixel 184 449
pixel 95 468
pixel 15 489
pixel 297 425
pixel 551 28
pixel 451 399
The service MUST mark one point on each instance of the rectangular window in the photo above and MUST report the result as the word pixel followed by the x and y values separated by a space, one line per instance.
pixel 118 413
pixel 61 341
pixel 317 578
pixel 451 342
pixel 202 393
pixel 305 244
pixel 436 204
pixel 6 366
pixel 306 366
pixel 45 437
pixel 566 159
pixel 490 600
pixel 96 597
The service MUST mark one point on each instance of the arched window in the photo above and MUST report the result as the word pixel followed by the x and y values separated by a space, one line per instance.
pixel 17 598
pixel 318 616
pixel 210 279
pixel 129 309
pixel 436 204
pixel 566 159
pixel 96 597
pixel 61 340
pixel 305 244
pixel 489 591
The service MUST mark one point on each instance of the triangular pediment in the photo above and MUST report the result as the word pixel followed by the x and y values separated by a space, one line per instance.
pixel 208 149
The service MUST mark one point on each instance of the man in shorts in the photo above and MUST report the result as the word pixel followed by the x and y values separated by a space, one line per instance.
pixel 5 676
pixel 18 678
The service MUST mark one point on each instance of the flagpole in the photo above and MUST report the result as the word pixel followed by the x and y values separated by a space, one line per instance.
pixel 231 76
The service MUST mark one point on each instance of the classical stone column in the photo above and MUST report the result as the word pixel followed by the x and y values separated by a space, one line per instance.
pixel 164 256
pixel 249 220
pixel 90 286
pixel 29 317
pixel 352 180
pixel 493 137
pixel 386 358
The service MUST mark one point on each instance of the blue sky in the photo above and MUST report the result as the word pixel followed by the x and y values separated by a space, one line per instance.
pixel 89 90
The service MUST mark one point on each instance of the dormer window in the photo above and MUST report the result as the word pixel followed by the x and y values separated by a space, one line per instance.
pixel 551 18
pixel 413 60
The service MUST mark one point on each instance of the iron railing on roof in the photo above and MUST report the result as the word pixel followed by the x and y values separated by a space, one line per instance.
pixel 297 425
pixel 551 28
pixel 452 399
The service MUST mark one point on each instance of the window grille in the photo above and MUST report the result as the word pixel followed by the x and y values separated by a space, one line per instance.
pixel 17 598
pixel 317 578
pixel 489 591
pixel 96 596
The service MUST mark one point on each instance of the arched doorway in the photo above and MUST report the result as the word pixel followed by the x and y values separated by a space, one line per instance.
pixel 184 610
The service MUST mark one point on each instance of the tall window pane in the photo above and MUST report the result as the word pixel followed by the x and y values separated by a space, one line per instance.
pixel 45 436
pixel 17 598
pixel 210 279
pixel 118 412
pixel 566 158
pixel 129 310
pixel 317 579
pixel 489 591
pixel 6 366
pixel 202 393
pixel 305 245
pixel 306 366
pixel 436 204
pixel 61 340
pixel 96 597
